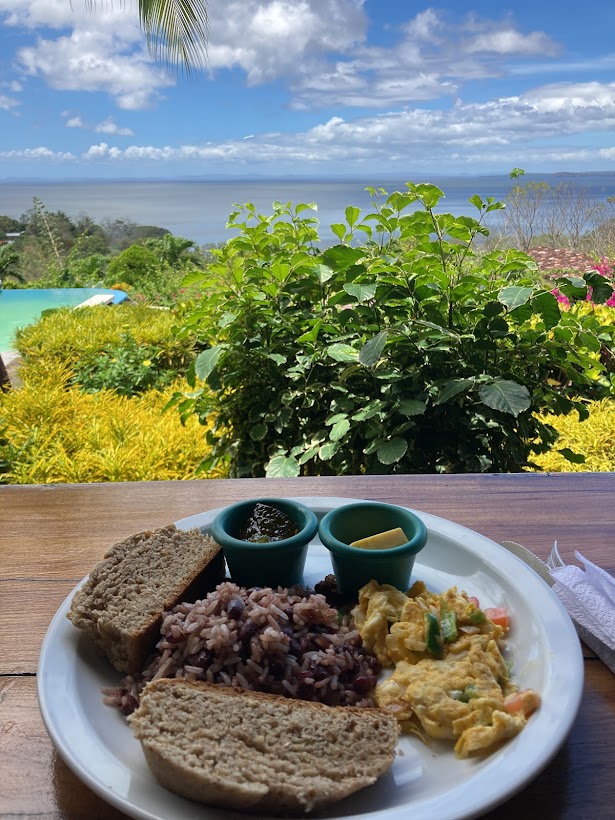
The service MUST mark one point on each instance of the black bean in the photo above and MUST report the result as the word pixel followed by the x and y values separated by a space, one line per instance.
pixel 235 608
pixel 248 631
pixel 202 659
pixel 364 684
pixel 276 670
pixel 294 648
pixel 374 664
pixel 319 672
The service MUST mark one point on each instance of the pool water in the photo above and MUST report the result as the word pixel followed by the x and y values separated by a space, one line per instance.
pixel 19 308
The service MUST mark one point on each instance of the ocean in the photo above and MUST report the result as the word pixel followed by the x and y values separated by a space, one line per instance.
pixel 198 209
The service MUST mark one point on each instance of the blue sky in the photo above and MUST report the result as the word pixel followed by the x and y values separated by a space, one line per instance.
pixel 310 87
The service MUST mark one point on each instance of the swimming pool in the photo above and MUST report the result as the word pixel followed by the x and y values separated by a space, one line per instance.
pixel 19 308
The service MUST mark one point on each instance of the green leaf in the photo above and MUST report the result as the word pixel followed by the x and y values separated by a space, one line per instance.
pixel 258 432
pixel 452 388
pixel 335 418
pixel 342 352
pixel 328 450
pixel 339 230
pixel 194 277
pixel 523 313
pixel 339 430
pixel 506 396
pixel 277 358
pixel 412 407
pixel 352 214
pixel 362 293
pixel 282 467
pixel 569 455
pixel 601 288
pixel 372 351
pixel 304 206
pixel 589 341
pixel 477 202
pixel 370 410
pixel 310 335
pixel 514 296
pixel 324 273
pixel 206 361
pixel 547 307
pixel 392 450
pixel 342 257
pixel 429 194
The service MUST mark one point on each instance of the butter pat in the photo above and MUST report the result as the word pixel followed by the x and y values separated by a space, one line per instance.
pixel 382 540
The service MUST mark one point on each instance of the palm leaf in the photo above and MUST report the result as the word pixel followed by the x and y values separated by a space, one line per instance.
pixel 176 30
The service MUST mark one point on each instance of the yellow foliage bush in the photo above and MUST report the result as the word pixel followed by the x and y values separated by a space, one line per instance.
pixel 592 438
pixel 53 433
pixel 67 335
pixel 606 315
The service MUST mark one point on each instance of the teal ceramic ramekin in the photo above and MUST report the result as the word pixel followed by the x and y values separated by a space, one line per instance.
pixel 353 566
pixel 270 564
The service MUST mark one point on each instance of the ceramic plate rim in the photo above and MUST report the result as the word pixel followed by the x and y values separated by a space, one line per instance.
pixel 491 553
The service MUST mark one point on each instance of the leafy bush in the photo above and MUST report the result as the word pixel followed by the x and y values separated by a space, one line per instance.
pixel 50 432
pixel 409 353
pixel 126 367
pixel 591 438
pixel 68 336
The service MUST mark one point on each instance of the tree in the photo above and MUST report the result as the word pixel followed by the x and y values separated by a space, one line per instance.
pixel 525 211
pixel 134 266
pixel 9 261
pixel 570 212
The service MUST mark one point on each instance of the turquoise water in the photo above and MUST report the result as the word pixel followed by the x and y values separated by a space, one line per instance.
pixel 19 308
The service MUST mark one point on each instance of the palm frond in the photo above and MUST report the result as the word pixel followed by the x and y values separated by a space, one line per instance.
pixel 177 31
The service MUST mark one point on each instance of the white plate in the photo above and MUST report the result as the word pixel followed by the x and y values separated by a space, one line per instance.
pixel 97 744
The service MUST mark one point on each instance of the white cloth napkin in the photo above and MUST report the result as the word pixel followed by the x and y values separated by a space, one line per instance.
pixel 589 597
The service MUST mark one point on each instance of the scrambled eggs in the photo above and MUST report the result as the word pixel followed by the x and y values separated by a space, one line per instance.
pixel 450 680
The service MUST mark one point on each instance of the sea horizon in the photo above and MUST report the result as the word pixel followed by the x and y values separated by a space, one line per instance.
pixel 197 207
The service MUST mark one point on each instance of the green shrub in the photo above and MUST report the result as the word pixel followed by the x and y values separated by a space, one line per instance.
pixel 51 432
pixel 409 353
pixel 592 438
pixel 126 367
pixel 70 336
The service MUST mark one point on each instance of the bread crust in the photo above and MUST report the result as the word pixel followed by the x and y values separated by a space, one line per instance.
pixel 121 604
pixel 191 757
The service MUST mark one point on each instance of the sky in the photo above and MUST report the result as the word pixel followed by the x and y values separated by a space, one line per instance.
pixel 319 88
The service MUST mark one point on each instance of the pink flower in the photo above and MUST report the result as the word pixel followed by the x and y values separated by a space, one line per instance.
pixel 563 300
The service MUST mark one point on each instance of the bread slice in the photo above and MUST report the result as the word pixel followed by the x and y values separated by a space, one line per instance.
pixel 120 606
pixel 257 752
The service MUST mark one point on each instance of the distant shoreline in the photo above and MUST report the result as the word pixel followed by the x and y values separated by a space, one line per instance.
pixel 198 208
pixel 290 179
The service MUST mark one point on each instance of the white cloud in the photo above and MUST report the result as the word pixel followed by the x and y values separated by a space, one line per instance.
pixel 86 61
pixel 434 58
pixel 40 153
pixel 8 103
pixel 319 47
pixel 474 134
pixel 108 126
pixel 511 42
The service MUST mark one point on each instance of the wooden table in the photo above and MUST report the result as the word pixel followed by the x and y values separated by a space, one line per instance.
pixel 50 536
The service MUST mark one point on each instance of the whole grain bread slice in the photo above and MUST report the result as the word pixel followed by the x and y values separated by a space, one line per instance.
pixel 121 604
pixel 256 752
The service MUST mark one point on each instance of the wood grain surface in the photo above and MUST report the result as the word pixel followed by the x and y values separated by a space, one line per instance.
pixel 50 537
